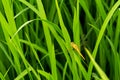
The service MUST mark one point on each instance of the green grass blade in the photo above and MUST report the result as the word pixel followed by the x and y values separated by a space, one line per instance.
pixel 20 13
pixel 64 30
pixel 30 6
pixel 23 73
pixel 39 48
pixel 6 53
pixel 7 37
pixel 76 26
pixel 1 76
pixel 101 73
pixel 41 13
pixel 115 59
pixel 117 31
pixel 101 8
pixel 45 74
pixel 84 6
pixel 101 34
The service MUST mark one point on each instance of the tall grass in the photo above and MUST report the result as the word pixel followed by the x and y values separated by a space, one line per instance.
pixel 36 37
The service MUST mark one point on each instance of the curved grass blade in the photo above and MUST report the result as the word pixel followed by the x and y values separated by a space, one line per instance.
pixel 101 35
pixel 101 73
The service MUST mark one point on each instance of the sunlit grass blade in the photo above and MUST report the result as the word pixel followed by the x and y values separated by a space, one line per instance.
pixel 7 37
pixel 101 34
pixel 67 41
pixel 30 6
pixel 9 15
pixel 41 13
pixel 64 30
pixel 1 76
pixel 45 39
pixel 45 74
pixel 101 73
pixel 76 26
pixel 23 73
pixel 21 12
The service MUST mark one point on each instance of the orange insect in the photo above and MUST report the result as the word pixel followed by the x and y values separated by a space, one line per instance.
pixel 74 46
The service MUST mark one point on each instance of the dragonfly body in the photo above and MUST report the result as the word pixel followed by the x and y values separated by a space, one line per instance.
pixel 74 46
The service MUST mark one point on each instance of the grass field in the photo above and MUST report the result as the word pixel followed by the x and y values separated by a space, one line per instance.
pixel 59 40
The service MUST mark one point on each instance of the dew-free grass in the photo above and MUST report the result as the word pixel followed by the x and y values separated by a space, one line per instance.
pixel 36 37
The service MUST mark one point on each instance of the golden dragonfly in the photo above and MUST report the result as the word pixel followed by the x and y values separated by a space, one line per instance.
pixel 74 46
